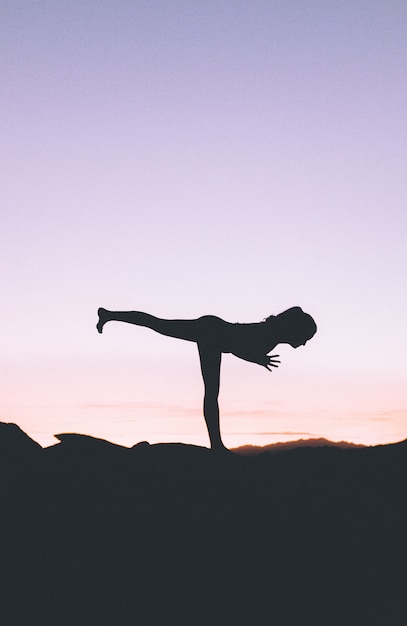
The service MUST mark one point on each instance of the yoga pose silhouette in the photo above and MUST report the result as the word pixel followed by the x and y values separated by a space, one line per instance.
pixel 251 342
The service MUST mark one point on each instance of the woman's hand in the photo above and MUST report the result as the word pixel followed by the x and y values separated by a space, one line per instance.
pixel 261 359
pixel 270 361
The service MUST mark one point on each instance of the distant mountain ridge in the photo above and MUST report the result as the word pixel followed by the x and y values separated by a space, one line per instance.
pixel 273 448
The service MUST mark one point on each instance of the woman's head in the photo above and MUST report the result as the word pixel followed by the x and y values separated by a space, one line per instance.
pixel 294 326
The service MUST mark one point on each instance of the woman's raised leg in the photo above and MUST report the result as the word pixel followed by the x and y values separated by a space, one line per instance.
pixel 188 330
pixel 206 332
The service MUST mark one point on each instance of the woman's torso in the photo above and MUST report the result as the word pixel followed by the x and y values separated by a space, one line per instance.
pixel 245 338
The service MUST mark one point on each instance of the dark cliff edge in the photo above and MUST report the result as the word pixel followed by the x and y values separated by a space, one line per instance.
pixel 96 534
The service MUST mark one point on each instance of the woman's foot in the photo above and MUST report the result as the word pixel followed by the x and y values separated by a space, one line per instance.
pixel 103 318
pixel 219 447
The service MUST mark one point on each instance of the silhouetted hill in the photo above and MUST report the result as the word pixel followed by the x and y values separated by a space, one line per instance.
pixel 15 443
pixel 273 448
pixel 97 534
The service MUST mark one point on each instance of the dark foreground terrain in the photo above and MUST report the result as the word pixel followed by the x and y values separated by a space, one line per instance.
pixel 97 534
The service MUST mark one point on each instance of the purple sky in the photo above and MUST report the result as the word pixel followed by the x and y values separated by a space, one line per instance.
pixel 233 158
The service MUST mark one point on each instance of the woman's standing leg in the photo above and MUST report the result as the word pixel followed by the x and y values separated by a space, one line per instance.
pixel 205 331
pixel 210 358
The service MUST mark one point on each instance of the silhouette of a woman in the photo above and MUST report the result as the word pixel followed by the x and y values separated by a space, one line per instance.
pixel 251 342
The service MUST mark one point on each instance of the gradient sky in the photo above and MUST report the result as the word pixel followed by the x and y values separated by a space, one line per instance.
pixel 184 158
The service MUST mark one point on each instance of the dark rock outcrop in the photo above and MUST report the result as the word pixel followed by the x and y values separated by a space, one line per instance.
pixel 97 534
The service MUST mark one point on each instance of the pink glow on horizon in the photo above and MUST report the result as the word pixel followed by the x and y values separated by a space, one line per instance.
pixel 259 411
